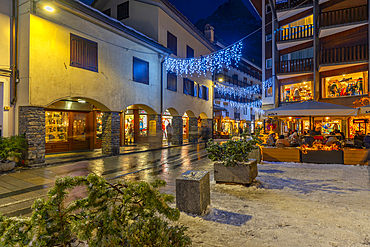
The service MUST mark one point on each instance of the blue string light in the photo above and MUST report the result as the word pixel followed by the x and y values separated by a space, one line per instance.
pixel 236 91
pixel 268 83
pixel 255 105
pixel 201 65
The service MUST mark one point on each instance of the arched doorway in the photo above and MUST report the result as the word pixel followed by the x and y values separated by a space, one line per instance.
pixel 73 124
pixel 167 118
pixel 186 125
pixel 135 120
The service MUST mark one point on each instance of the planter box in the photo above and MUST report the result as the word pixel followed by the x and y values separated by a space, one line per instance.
pixel 356 156
pixel 7 166
pixel 281 154
pixel 256 155
pixel 323 157
pixel 241 173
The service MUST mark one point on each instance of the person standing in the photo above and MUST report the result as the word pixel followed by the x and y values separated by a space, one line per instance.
pixel 169 133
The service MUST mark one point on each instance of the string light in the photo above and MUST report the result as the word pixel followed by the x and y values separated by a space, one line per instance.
pixel 268 83
pixel 236 91
pixel 255 104
pixel 211 62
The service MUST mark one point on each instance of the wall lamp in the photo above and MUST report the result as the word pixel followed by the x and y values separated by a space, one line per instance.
pixel 48 5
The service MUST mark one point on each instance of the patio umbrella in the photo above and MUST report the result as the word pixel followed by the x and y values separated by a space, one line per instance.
pixel 312 108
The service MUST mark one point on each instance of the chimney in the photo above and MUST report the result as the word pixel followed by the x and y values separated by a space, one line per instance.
pixel 209 32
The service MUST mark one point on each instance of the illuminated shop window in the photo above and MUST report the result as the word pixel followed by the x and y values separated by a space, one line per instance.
pixel 297 92
pixel 56 124
pixel 345 85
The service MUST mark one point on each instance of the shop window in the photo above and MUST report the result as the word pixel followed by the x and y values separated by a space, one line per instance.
pixel 172 81
pixel 269 63
pixel 99 125
pixel 84 53
pixel 79 127
pixel 143 123
pixel 107 12
pixel 302 91
pixel 140 71
pixel 123 11
pixel 345 85
pixel 189 86
pixel 268 92
pixel 56 124
pixel 189 52
pixel 172 42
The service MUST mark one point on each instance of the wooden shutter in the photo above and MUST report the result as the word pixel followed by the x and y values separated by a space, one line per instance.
pixel 195 85
pixel 172 42
pixel 189 52
pixel 206 93
pixel 200 92
pixel 186 91
pixel 172 81
pixel 76 51
pixel 140 70
pixel 123 11
pixel 91 55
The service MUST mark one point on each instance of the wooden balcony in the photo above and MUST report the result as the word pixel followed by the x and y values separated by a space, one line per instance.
pixel 344 16
pixel 351 54
pixel 294 33
pixel 292 4
pixel 294 66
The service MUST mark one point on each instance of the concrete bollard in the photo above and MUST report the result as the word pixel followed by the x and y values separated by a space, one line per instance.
pixel 193 192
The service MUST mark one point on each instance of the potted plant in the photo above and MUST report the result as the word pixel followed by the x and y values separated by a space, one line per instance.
pixel 231 160
pixel 11 148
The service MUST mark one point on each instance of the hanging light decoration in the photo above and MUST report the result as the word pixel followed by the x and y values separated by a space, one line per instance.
pixel 237 91
pixel 201 65
pixel 255 104
pixel 268 83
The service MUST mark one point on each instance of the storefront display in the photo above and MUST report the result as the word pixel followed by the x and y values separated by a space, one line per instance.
pixel 361 123
pixel 330 126
pixel 185 126
pixel 56 124
pixel 345 85
pixel 99 125
pixel 143 125
pixel 166 119
pixel 79 127
pixel 129 128
pixel 297 92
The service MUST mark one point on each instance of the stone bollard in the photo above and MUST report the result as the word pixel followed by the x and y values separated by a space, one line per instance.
pixel 193 192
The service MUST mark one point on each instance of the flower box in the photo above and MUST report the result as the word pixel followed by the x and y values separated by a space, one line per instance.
pixel 241 173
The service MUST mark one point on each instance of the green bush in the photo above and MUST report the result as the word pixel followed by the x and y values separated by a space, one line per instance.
pixel 232 152
pixel 121 214
pixel 12 146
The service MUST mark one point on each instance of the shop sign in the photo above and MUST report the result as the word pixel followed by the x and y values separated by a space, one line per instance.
pixel 152 128
pixel 360 120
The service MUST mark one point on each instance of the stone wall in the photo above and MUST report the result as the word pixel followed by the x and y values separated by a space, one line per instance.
pixel 177 138
pixel 32 123
pixel 155 134
pixel 206 129
pixel 193 130
pixel 111 133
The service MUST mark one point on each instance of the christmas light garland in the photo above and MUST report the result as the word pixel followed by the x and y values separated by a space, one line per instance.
pixel 236 91
pixel 255 104
pixel 211 62
pixel 268 83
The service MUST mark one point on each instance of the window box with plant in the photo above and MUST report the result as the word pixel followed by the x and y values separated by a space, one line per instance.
pixel 231 160
pixel 10 149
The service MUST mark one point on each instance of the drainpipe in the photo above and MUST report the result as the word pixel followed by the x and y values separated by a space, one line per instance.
pixel 162 86
pixel 15 78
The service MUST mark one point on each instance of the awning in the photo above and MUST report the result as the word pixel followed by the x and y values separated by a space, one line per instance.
pixel 218 108
pixel 312 108
pixel 365 110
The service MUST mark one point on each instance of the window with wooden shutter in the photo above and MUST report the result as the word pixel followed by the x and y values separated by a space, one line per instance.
pixel 200 94
pixel 195 89
pixel 172 81
pixel 172 42
pixel 188 87
pixel 123 11
pixel 140 70
pixel 189 52
pixel 84 53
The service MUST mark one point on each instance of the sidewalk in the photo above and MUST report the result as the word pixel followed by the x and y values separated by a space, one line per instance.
pixel 75 156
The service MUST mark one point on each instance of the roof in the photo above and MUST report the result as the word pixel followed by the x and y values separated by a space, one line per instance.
pixel 161 4
pixel 86 9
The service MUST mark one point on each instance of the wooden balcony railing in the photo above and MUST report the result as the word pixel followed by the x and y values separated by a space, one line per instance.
pixel 294 33
pixel 293 66
pixel 344 54
pixel 292 3
pixel 344 16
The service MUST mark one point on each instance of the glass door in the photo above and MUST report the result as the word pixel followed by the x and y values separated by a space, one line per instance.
pixel 80 140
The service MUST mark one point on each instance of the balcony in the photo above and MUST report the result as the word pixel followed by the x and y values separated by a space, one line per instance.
pixel 340 20
pixel 293 68
pixel 341 57
pixel 293 36
pixel 293 6
pixel 252 73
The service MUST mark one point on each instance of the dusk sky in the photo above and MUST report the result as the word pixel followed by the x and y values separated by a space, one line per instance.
pixel 198 9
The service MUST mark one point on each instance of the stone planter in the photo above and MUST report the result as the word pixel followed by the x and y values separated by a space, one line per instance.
pixel 241 173
pixel 256 154
pixel 7 166
pixel 323 157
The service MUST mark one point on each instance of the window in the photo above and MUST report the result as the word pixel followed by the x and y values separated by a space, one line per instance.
pixel 189 87
pixel 268 8
pixel 297 92
pixel 189 52
pixel 268 37
pixel 345 85
pixel 123 11
pixel 107 12
pixel 203 92
pixel 84 53
pixel 140 71
pixel 269 63
pixel 172 42
pixel 172 81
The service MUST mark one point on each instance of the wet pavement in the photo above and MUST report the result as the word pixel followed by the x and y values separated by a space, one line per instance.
pixel 19 189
